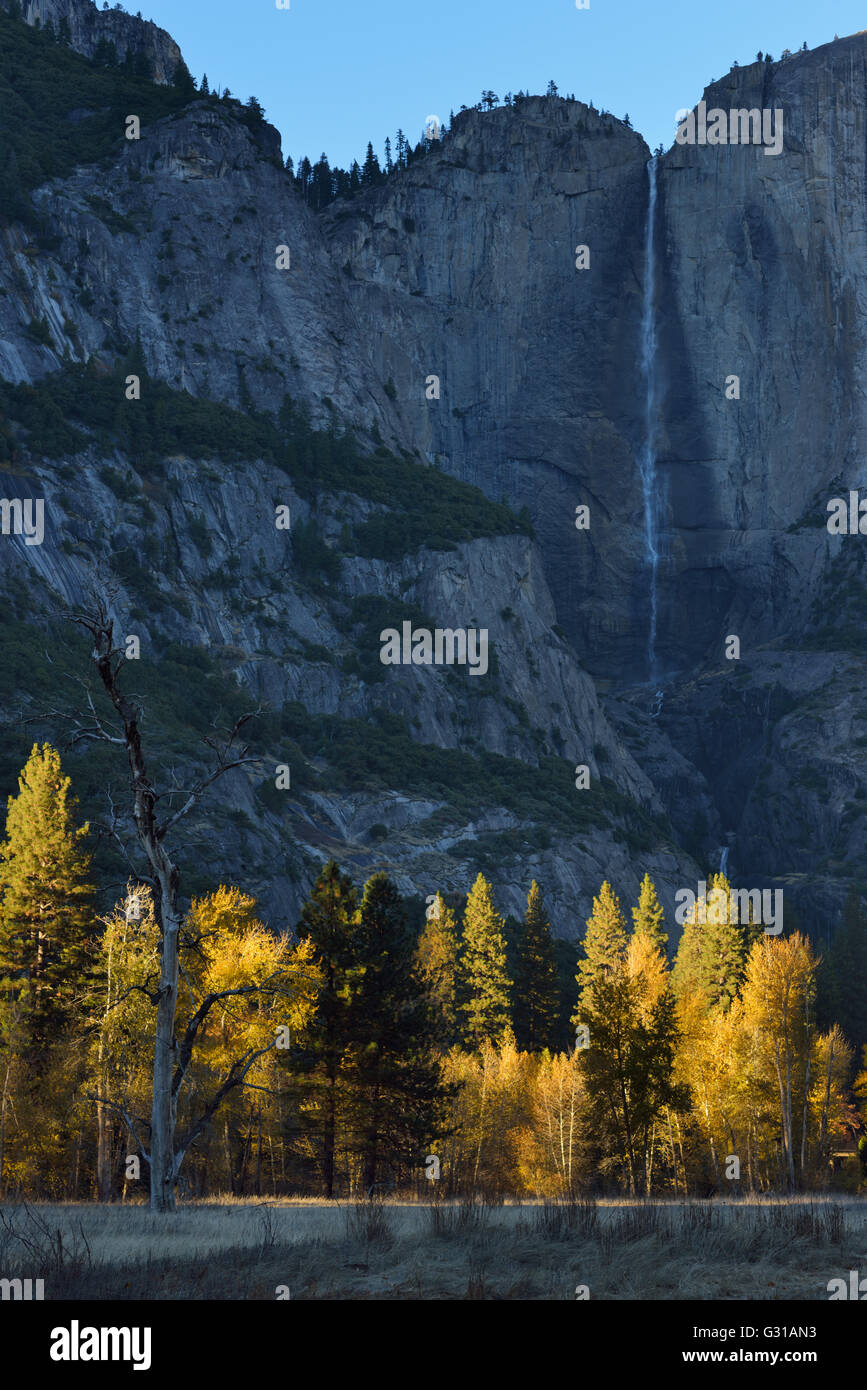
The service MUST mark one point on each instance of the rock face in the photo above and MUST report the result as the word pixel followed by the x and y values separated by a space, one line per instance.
pixel 285 642
pixel 463 268
pixel 765 277
pixel 88 24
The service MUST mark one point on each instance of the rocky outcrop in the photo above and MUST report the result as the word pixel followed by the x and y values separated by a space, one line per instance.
pixel 88 25
pixel 284 641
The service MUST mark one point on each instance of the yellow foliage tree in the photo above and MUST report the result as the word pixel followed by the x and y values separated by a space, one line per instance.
pixel 244 991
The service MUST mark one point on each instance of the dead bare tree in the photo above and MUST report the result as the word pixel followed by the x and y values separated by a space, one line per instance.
pixel 172 1057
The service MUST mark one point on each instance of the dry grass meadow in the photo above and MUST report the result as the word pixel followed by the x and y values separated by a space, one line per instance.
pixel 223 1249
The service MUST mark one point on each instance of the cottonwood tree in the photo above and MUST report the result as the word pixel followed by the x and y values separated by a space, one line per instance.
pixel 173 1048
pixel 224 946
pixel 778 1001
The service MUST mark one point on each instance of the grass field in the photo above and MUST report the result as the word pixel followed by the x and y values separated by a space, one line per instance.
pixel 754 1250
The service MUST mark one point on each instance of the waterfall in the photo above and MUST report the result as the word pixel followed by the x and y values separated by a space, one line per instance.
pixel 647 452
pixel 724 861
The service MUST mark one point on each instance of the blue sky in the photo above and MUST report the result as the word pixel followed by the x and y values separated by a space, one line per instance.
pixel 333 74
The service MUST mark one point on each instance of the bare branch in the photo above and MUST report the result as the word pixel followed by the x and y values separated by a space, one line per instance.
pixel 236 1075
pixel 185 1051
pixel 129 1120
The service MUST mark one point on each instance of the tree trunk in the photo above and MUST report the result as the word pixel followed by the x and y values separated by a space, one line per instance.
pixel 259 1152
pixel 371 1147
pixel 164 1108
pixel 328 1140
pixel 227 1145
pixel 673 1153
pixel 3 1105
pixel 103 1145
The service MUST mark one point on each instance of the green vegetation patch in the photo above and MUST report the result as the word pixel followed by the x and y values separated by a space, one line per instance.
pixel 65 411
pixel 379 754
pixel 59 109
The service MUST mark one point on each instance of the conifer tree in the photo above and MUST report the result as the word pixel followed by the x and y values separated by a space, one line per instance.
pixel 328 920
pixel 648 917
pixel 205 89
pixel 436 962
pixel 46 900
pixel 183 80
pixel 302 181
pixel 604 942
pixel 536 996
pixel 483 982
pixel 628 1007
pixel 371 174
pixel 712 954
pixel 392 1080
pixel 105 54
pixel 725 946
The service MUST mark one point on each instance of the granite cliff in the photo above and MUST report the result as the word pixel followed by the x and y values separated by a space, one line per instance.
pixel 463 267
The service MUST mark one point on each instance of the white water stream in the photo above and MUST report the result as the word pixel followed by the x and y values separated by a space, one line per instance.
pixel 647 452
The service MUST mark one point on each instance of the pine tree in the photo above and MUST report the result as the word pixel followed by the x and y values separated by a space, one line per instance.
pixel 46 901
pixel 604 943
pixel 302 182
pixel 183 80
pixel 389 163
pixel 371 174
pixel 205 89
pixel 536 992
pixel 328 920
pixel 725 946
pixel 712 954
pixel 627 1005
pixel 105 54
pixel 648 917
pixel 436 962
pixel 392 1080
pixel 321 190
pixel 483 982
